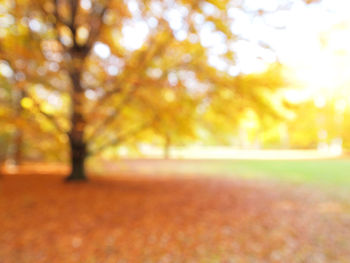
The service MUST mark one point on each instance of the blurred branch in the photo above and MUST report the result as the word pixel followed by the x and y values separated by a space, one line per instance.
pixel 58 18
pixel 121 138
pixel 5 102
pixel 49 117
pixel 96 26
pixel 145 57
pixel 114 114
pixel 44 81
pixel 74 9
pixel 104 98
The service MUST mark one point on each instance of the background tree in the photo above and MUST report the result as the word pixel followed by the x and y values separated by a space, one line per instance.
pixel 222 112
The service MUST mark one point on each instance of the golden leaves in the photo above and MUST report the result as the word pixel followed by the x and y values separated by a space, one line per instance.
pixel 27 103
pixel 82 35
pixel 145 219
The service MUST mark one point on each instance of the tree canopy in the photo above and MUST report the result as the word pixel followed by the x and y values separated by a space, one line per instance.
pixel 92 74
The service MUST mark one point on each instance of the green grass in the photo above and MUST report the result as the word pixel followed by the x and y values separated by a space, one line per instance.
pixel 325 172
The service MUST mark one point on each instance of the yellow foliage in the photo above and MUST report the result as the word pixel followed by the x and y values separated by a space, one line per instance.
pixel 27 103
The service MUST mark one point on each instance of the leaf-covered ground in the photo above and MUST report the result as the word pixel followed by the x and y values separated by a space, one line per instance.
pixel 168 219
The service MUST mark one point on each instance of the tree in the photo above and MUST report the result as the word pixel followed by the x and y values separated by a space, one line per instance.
pixel 87 75
pixel 222 112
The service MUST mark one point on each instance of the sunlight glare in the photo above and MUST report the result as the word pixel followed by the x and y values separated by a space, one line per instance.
pixel 134 34
pixel 85 4
pixel 102 50
pixel 320 101
pixel 296 96
pixel 5 69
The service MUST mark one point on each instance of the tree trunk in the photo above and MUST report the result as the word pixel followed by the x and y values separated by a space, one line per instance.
pixel 76 136
pixel 167 144
pixel 14 155
pixel 78 157
pixel 18 142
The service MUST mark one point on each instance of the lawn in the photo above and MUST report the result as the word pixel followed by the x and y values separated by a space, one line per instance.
pixel 324 173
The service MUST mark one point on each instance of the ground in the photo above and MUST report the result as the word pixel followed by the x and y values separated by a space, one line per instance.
pixel 169 218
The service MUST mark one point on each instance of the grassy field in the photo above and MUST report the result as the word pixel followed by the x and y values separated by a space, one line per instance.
pixel 327 173
pixel 333 172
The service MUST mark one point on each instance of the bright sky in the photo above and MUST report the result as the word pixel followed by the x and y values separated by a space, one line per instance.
pixel 314 42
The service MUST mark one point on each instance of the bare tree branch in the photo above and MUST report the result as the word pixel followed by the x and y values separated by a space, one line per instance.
pixel 58 18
